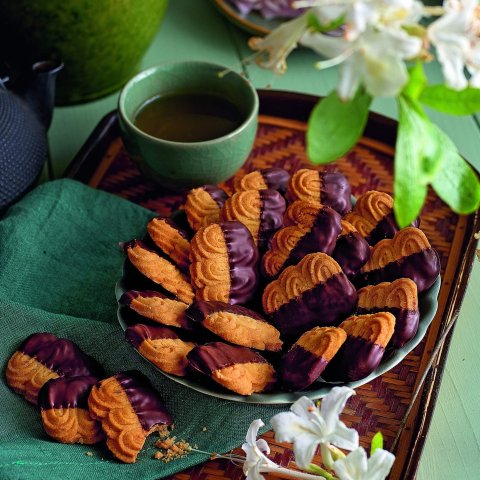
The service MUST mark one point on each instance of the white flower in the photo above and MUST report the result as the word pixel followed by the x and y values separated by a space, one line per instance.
pixel 375 59
pixel 355 465
pixel 256 451
pixel 306 426
pixel 455 38
pixel 275 47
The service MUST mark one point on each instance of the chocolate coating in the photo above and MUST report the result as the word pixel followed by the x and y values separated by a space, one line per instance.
pixel 136 334
pixel 300 368
pixel 406 323
pixel 387 227
pixel 243 259
pixel 271 215
pixel 200 310
pixel 276 178
pixel 336 192
pixel 144 399
pixel 422 267
pixel 134 243
pixel 326 304
pixel 66 392
pixel 322 237
pixel 217 355
pixel 216 193
pixel 356 359
pixel 60 355
pixel 351 252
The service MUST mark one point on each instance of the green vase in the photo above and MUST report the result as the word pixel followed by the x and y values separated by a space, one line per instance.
pixel 101 42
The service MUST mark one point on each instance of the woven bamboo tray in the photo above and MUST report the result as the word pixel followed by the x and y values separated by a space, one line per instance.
pixel 382 404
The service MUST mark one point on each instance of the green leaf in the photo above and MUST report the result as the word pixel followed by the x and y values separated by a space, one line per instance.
pixel 418 158
pixel 335 126
pixel 456 183
pixel 377 442
pixel 416 82
pixel 446 100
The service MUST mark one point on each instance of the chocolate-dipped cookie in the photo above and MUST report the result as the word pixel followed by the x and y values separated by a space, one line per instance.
pixel 313 293
pixel 161 346
pixel 351 251
pixel 309 355
pixel 160 270
pixel 236 324
pixel 407 255
pixel 203 206
pixel 129 409
pixel 42 357
pixel 317 233
pixel 331 189
pixel 400 299
pixel 272 178
pixel 238 369
pixel 373 217
pixel 64 410
pixel 171 240
pixel 157 307
pixel 224 262
pixel 362 352
pixel 261 211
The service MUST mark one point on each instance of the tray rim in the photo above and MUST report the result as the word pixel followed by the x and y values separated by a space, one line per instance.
pixel 297 106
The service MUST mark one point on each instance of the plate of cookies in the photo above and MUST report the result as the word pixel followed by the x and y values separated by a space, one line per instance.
pixel 286 287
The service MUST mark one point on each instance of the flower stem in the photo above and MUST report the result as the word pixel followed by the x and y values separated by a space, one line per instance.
pixel 320 471
pixel 285 472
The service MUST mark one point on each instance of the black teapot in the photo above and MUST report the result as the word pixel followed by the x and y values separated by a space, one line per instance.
pixel 25 117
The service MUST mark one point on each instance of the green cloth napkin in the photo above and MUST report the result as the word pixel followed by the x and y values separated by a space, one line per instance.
pixel 59 261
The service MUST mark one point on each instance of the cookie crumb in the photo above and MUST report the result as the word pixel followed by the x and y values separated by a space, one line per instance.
pixel 171 449
pixel 89 454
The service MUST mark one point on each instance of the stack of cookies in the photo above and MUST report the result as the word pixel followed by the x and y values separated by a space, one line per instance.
pixel 78 404
pixel 278 284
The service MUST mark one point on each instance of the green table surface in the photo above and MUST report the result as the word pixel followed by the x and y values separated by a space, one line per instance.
pixel 193 29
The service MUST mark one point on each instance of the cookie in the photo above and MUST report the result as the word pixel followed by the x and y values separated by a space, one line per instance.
pixel 171 240
pixel 42 357
pixel 64 410
pixel 159 270
pixel 273 178
pixel 314 293
pixel 236 324
pixel 157 307
pixel 407 255
pixel 400 299
pixel 290 244
pixel 331 189
pixel 373 217
pixel 224 263
pixel 129 409
pixel 203 206
pixel 238 369
pixel 351 251
pixel 362 352
pixel 261 211
pixel 301 212
pixel 309 355
pixel 161 346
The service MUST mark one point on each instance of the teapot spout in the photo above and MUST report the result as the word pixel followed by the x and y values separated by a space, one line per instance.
pixel 40 94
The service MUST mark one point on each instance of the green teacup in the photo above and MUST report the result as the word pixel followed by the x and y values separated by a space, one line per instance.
pixel 175 163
